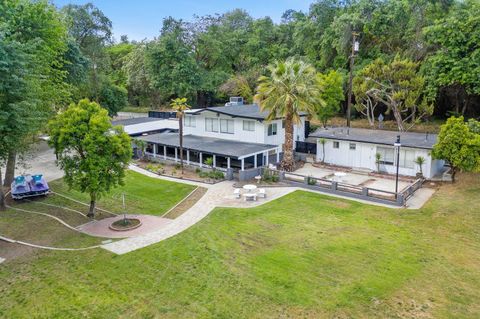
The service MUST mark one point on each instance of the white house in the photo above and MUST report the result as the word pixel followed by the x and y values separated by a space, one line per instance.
pixel 235 136
pixel 357 148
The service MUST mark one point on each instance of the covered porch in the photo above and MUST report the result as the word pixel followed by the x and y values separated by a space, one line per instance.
pixel 225 154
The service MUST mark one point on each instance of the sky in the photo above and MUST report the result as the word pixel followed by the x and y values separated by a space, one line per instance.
pixel 140 19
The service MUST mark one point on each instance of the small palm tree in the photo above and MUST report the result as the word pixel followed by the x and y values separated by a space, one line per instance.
pixel 180 106
pixel 292 87
pixel 323 141
pixel 378 158
pixel 420 160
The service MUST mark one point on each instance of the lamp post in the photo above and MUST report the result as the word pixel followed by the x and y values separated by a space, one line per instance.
pixel 397 146
pixel 355 49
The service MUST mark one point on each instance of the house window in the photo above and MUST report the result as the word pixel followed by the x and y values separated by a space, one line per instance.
pixel 407 158
pixel 387 155
pixel 353 146
pixel 226 126
pixel 249 126
pixel 190 121
pixel 283 124
pixel 336 144
pixel 272 129
pixel 211 124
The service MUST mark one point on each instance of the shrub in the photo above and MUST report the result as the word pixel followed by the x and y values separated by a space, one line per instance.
pixel 311 180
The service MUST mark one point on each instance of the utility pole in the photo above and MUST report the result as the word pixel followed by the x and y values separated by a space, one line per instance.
pixel 355 48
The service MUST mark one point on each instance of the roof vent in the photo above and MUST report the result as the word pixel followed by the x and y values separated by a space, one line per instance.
pixel 235 100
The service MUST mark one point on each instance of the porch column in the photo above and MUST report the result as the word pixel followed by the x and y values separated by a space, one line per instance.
pixel 188 157
pixel 155 146
pixel 266 159
pixel 214 160
pixel 200 159
pixel 164 152
pixel 278 155
pixel 255 161
pixel 176 154
pixel 243 164
pixel 228 162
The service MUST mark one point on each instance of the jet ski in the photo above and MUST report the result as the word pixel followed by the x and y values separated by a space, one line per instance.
pixel 29 186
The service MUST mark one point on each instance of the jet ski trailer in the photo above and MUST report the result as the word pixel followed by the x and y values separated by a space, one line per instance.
pixel 25 186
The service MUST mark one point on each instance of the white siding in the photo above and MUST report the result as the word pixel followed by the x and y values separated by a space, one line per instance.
pixel 259 135
pixel 364 157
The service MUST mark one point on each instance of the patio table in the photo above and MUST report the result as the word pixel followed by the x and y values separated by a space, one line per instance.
pixel 249 187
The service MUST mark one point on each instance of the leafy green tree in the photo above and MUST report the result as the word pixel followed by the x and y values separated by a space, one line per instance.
pixel 113 98
pixel 172 66
pixel 118 57
pixel 32 46
pixel 399 87
pixel 93 154
pixel 332 94
pixel 140 88
pixel 458 145
pixel 180 106
pixel 292 87
pixel 455 61
pixel 92 31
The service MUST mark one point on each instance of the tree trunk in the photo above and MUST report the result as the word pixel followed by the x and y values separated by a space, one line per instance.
pixel 10 169
pixel 287 162
pixel 454 172
pixel 466 101
pixel 91 211
pixel 181 140
pixel 2 195
pixel 398 118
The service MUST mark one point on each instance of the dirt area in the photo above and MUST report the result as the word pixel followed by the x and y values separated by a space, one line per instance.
pixel 175 171
pixel 187 203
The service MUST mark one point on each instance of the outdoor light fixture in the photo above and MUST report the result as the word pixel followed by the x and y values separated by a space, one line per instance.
pixel 397 146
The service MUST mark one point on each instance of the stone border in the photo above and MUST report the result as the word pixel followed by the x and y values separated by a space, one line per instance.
pixel 125 229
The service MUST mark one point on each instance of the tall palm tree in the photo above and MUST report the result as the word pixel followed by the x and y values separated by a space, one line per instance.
pixel 292 87
pixel 180 106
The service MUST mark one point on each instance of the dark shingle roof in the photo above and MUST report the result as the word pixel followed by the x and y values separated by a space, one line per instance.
pixel 251 111
pixel 133 121
pixel 213 145
pixel 407 139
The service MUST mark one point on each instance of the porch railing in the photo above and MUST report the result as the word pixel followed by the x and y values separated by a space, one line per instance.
pixel 350 190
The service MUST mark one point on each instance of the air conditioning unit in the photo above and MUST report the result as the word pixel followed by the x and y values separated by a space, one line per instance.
pixel 235 100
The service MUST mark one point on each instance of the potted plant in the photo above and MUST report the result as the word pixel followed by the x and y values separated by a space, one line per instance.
pixel 420 160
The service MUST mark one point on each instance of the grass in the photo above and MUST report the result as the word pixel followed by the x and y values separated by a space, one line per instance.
pixel 143 194
pixel 303 255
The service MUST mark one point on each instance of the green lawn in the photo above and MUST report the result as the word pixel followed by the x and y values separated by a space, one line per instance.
pixel 143 194
pixel 304 255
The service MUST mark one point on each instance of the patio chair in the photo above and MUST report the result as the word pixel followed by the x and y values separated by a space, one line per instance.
pixel 262 193
pixel 250 197
pixel 236 192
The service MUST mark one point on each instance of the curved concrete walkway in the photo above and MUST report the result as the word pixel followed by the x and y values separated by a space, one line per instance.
pixel 220 195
